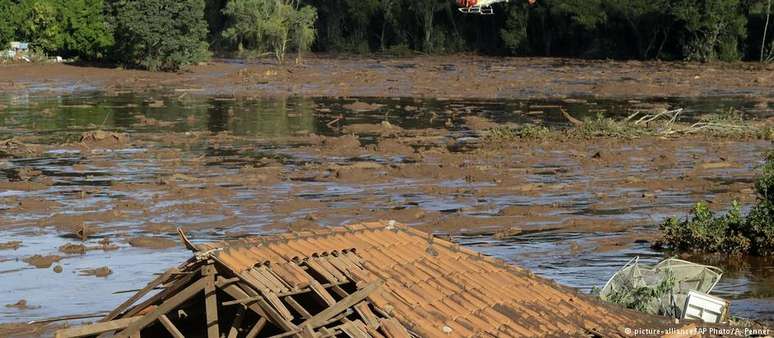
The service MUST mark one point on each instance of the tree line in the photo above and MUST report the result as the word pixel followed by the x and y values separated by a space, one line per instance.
pixel 170 34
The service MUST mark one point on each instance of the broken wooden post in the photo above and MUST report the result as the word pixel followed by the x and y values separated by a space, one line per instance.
pixel 256 328
pixel 236 324
pixel 211 302
pixel 171 328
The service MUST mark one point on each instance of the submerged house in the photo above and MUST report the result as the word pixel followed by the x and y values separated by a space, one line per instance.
pixel 379 279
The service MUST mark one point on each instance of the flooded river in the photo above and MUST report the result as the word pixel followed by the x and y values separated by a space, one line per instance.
pixel 221 167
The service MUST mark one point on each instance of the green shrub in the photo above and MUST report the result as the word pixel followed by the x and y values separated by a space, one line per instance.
pixel 159 34
pixel 764 185
pixel 705 231
pixel 601 126
pixel 731 232
pixel 527 131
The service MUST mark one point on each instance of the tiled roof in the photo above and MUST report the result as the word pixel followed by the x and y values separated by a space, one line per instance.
pixel 433 287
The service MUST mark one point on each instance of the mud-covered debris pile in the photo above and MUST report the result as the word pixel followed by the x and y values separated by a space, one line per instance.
pixel 362 280
pixel 15 148
pixel 103 138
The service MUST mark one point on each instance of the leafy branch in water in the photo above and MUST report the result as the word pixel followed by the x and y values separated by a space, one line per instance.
pixel 667 123
pixel 645 298
pixel 728 123
pixel 527 131
pixel 731 232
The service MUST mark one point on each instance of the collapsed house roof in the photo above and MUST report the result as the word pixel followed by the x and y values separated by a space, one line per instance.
pixel 377 279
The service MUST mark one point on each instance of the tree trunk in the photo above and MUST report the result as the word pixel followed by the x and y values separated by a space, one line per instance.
pixel 765 29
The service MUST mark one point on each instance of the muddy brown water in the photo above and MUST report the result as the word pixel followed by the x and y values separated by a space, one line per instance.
pixel 222 167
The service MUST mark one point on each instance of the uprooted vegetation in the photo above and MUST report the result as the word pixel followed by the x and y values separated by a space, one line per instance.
pixel 667 123
pixel 645 298
pixel 732 232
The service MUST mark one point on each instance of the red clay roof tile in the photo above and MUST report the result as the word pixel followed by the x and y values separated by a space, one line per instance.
pixel 434 287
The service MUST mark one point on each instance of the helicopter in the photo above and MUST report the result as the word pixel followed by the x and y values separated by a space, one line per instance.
pixel 481 7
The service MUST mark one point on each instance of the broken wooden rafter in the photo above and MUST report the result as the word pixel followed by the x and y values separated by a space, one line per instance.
pixel 174 286
pixel 165 307
pixel 96 328
pixel 342 305
pixel 148 288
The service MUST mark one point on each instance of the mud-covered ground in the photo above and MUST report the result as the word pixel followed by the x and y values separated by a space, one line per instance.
pixel 458 76
pixel 94 184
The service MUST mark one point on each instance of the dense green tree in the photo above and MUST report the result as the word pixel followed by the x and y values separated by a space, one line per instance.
pixel 514 34
pixel 159 34
pixel 642 27
pixel 41 25
pixel 273 26
pixel 65 27
pixel 85 30
pixel 710 29
pixel 168 34
pixel 10 15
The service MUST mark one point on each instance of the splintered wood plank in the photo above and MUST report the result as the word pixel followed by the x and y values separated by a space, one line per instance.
pixel 165 307
pixel 339 291
pixel 369 318
pixel 236 325
pixel 263 307
pixel 277 304
pixel 273 314
pixel 393 329
pixel 352 330
pixel 211 307
pixel 341 306
pixel 170 327
pixel 256 329
pixel 300 309
pixel 320 291
pixel 175 286
pixel 96 328
pixel 316 266
pixel 237 293
pixel 148 288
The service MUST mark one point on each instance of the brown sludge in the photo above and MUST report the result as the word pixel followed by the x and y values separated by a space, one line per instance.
pixel 484 77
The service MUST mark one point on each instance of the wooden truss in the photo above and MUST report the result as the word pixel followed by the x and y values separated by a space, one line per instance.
pixel 323 296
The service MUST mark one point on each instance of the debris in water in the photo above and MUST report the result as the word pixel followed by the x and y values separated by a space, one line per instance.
pixel 15 148
pixel 151 242
pixel 73 249
pixel 98 272
pixel 102 138
pixel 21 305
pixel 22 174
pixel 359 106
pixel 42 262
pixel 11 245
pixel 663 289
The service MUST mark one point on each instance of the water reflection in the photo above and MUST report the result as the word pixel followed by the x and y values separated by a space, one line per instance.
pixel 294 115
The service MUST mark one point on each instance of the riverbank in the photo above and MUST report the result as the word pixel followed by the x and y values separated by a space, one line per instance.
pixel 456 76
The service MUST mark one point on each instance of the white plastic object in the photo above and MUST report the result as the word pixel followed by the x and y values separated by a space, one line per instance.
pixel 704 307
